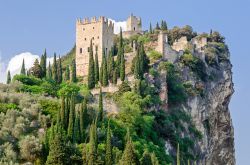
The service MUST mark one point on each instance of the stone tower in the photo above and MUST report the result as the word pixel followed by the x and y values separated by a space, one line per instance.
pixel 133 25
pixel 101 31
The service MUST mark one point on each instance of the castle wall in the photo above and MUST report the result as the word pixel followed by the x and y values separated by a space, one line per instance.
pixel 101 33
pixel 180 44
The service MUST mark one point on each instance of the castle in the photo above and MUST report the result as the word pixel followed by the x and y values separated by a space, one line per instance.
pixel 101 32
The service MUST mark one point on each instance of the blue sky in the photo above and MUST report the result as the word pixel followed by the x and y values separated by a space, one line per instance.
pixel 32 26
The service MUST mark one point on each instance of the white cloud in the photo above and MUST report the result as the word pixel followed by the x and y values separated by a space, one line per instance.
pixel 15 64
pixel 119 24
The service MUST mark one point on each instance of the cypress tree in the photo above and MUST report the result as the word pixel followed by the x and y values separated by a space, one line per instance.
pixel 150 28
pixel 23 72
pixel 154 159
pixel 71 118
pixel 101 74
pixel 54 69
pixel 43 63
pixel 92 144
pixel 36 69
pixel 122 68
pixel 108 155
pixel 110 63
pixel 146 158
pixel 91 70
pixel 157 27
pixel 114 76
pixel 178 155
pixel 8 78
pixel 49 74
pixel 137 65
pixel 67 112
pixel 104 70
pixel 96 67
pixel 73 71
pixel 83 119
pixel 67 74
pixel 100 108
pixel 59 71
pixel 84 154
pixel 129 156
pixel 58 152
pixel 76 136
pixel 63 116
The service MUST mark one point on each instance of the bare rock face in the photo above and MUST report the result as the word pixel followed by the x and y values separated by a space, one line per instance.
pixel 211 116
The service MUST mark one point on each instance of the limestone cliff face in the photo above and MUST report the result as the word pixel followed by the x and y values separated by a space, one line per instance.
pixel 211 114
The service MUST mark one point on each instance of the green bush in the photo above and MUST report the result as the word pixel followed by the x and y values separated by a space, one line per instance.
pixel 8 106
pixel 32 89
pixel 195 64
pixel 154 55
pixel 50 107
pixel 27 80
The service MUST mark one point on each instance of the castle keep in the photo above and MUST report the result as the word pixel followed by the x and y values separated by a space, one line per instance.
pixel 101 32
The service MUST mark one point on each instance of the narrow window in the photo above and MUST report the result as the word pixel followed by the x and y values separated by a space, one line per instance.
pixel 96 48
pixel 98 37
pixel 85 39
pixel 88 49
pixel 83 29
pixel 93 38
pixel 80 50
pixel 93 27
pixel 134 28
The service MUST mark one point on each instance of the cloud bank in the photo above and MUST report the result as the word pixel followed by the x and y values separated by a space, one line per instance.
pixel 15 64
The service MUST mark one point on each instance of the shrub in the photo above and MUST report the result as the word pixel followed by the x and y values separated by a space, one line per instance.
pixel 27 80
pixel 154 55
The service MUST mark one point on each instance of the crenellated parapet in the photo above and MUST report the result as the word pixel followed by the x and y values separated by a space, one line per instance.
pixel 94 20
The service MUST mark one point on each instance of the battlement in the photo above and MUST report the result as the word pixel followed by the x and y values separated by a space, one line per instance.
pixel 94 20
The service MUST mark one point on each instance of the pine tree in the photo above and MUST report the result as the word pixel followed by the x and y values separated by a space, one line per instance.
pixel 129 156
pixel 59 71
pixel 54 69
pixel 83 119
pixel 96 67
pixel 92 144
pixel 104 70
pixel 146 158
pixel 122 67
pixel 8 78
pixel 73 71
pixel 23 70
pixel 91 70
pixel 36 69
pixel 100 108
pixel 76 136
pixel 49 74
pixel 58 152
pixel 154 159
pixel 108 155
pixel 178 155
pixel 66 76
pixel 150 28
pixel 71 118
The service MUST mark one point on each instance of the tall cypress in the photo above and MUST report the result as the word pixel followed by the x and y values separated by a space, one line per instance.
pixel 76 136
pixel 146 158
pixel 129 156
pixel 92 144
pixel 67 111
pixel 54 69
pixel 108 155
pixel 150 28
pixel 43 63
pixel 110 66
pixel 73 71
pixel 122 67
pixel 96 67
pixel 63 117
pixel 23 70
pixel 71 118
pixel 49 74
pixel 100 108
pixel 91 70
pixel 157 27
pixel 8 77
pixel 59 71
pixel 67 74
pixel 178 155
pixel 104 70
pixel 83 119
pixel 114 78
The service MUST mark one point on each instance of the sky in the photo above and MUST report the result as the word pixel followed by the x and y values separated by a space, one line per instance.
pixel 27 27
